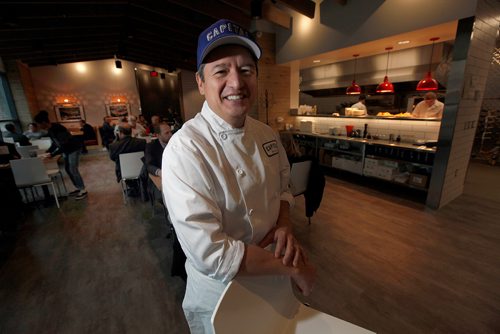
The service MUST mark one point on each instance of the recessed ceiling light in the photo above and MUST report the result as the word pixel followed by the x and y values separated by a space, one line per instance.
pixel 403 42
pixel 316 61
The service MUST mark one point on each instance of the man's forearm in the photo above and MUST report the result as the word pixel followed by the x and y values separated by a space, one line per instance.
pixel 284 215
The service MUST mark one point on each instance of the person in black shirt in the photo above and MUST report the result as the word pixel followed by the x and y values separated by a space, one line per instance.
pixel 125 144
pixel 88 134
pixel 67 145
pixel 107 132
pixel 18 137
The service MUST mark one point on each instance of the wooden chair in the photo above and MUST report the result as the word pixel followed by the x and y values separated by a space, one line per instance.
pixel 130 168
pixel 267 305
pixel 30 173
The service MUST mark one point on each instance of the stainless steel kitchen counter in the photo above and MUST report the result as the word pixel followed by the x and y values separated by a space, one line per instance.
pixel 368 141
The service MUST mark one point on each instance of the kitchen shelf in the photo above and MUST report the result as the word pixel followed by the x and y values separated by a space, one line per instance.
pixel 397 160
pixel 343 151
pixel 373 159
pixel 407 185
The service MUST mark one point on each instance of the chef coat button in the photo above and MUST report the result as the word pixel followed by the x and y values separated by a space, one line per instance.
pixel 239 171
pixel 223 136
pixel 250 212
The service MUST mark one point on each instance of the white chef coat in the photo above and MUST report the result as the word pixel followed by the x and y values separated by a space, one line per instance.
pixel 423 111
pixel 361 106
pixel 223 188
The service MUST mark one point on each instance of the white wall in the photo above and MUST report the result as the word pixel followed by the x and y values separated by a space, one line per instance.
pixel 192 100
pixel 335 26
pixel 93 84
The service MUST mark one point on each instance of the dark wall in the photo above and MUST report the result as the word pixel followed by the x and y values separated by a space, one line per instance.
pixel 158 95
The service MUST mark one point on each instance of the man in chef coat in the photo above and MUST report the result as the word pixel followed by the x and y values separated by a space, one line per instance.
pixel 225 181
pixel 361 104
pixel 430 107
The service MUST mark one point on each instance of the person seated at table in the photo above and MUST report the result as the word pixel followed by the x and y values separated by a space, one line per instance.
pixel 8 152
pixel 18 137
pixel 137 129
pixel 154 128
pixel 125 144
pixel 11 203
pixel 154 153
pixel 107 133
pixel 34 132
pixel 116 128
pixel 88 134
pixel 154 150
pixel 142 121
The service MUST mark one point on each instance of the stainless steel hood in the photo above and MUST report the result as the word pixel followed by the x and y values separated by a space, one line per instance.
pixel 405 65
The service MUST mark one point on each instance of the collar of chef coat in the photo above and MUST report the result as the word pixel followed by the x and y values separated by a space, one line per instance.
pixel 219 125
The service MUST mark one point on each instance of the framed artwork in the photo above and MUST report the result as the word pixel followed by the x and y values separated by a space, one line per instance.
pixel 69 112
pixel 117 109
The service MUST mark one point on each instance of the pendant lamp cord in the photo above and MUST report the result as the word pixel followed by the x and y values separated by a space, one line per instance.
pixel 355 59
pixel 387 66
pixel 432 53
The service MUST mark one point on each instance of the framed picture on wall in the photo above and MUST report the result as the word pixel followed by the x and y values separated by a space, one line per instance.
pixel 118 109
pixel 69 112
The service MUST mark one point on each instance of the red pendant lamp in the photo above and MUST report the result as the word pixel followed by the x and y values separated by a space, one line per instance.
pixel 354 88
pixel 429 83
pixel 386 86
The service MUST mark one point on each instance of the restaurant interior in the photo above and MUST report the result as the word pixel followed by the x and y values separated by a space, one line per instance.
pixel 406 238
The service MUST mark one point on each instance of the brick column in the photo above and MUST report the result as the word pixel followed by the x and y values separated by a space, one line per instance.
pixel 274 86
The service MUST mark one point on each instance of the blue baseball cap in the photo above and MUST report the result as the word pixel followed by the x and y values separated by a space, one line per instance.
pixel 224 32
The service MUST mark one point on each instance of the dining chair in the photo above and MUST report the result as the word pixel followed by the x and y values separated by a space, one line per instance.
pixel 299 176
pixel 130 168
pixel 27 151
pixel 30 173
pixel 42 143
pixel 267 305
pixel 9 140
pixel 55 173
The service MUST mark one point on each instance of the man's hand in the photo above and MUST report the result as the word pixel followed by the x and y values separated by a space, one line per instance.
pixel 304 277
pixel 286 246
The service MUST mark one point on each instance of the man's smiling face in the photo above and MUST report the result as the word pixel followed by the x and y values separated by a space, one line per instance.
pixel 230 83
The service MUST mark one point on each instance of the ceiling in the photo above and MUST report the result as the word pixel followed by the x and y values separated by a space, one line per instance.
pixel 416 38
pixel 158 33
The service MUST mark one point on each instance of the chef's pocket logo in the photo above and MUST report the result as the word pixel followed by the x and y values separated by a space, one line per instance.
pixel 271 148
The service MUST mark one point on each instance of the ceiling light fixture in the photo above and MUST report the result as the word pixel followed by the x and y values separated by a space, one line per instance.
pixel 354 88
pixel 386 86
pixel 316 61
pixel 403 42
pixel 429 83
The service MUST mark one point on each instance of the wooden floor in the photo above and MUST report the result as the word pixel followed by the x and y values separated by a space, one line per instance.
pixel 385 263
